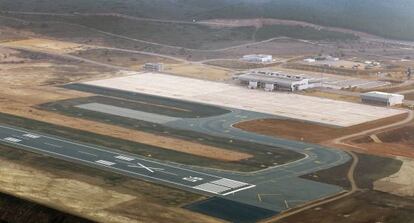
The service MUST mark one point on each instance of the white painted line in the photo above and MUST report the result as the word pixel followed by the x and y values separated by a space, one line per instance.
pixel 135 166
pixel 90 154
pixel 150 170
pixel 104 162
pixel 235 191
pixel 11 139
pixel 124 158
pixel 54 145
pixel 31 136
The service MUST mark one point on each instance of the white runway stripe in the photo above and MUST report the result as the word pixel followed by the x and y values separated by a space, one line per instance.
pixel 11 139
pixel 124 158
pixel 104 162
pixel 31 136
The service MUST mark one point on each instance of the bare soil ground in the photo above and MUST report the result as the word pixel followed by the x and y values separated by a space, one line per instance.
pixel 47 44
pixel 409 96
pixel 238 64
pixel 396 142
pixel 362 207
pixel 123 59
pixel 199 71
pixel 400 183
pixel 321 94
pixel 30 212
pixel 309 132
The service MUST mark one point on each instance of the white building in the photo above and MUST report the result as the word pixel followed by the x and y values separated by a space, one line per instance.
pixel 258 58
pixel 154 67
pixel 382 98
pixel 309 60
pixel 271 81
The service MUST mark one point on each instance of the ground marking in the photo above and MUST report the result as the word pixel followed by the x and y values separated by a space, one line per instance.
pixel 150 169
pixel 31 136
pixel 104 162
pixel 90 154
pixel 54 145
pixel 124 158
pixel 11 139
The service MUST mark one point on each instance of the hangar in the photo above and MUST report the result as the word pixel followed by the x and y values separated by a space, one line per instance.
pixel 382 98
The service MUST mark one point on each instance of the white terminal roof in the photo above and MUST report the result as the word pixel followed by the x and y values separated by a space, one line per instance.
pixel 270 79
pixel 383 95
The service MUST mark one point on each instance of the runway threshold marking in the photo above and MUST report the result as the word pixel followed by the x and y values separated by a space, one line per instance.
pixel 224 186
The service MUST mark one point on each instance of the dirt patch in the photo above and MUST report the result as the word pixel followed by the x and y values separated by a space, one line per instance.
pixel 409 96
pixel 321 94
pixel 199 71
pixel 400 183
pixel 309 132
pixel 13 209
pixel 362 207
pixel 122 59
pixel 238 64
pixel 396 142
pixel 47 44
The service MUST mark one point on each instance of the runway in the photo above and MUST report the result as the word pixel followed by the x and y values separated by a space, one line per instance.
pixel 121 162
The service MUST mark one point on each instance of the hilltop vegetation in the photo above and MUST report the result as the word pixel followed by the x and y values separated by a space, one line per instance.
pixel 390 19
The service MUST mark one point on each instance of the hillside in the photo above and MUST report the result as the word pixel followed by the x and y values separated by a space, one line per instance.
pixel 390 19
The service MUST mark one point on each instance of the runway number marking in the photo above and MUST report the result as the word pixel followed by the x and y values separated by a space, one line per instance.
pixel 124 158
pixel 11 139
pixel 104 162
pixel 31 136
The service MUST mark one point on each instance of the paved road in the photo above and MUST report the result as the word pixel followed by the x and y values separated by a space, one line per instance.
pixel 121 162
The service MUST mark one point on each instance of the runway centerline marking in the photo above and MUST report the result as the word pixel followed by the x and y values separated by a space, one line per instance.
pixel 90 154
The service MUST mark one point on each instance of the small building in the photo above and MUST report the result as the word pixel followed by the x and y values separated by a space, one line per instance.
pixel 258 58
pixel 382 98
pixel 154 67
pixel 310 60
pixel 271 81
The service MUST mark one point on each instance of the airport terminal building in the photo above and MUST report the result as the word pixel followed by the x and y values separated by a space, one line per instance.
pixel 271 81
